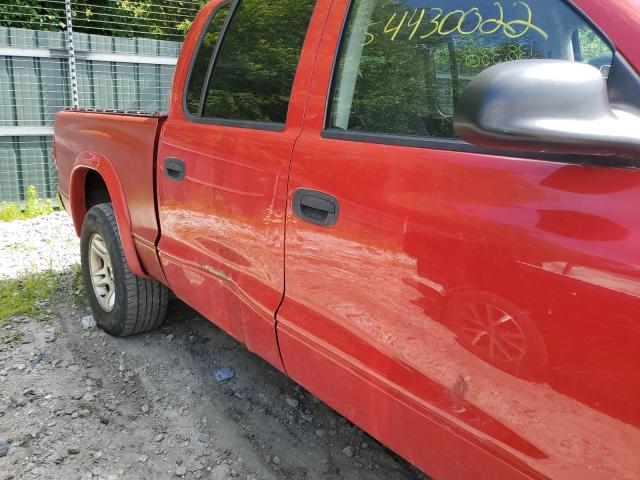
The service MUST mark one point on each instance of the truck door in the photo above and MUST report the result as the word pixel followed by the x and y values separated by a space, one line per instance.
pixel 475 310
pixel 224 157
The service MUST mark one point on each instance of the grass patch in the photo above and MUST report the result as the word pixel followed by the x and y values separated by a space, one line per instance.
pixel 12 336
pixel 78 289
pixel 25 295
pixel 33 207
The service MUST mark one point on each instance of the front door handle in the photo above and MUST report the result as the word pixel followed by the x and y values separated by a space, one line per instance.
pixel 316 207
pixel 175 169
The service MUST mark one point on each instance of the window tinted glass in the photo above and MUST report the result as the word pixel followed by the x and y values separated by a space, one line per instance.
pixel 403 63
pixel 203 57
pixel 256 65
pixel 591 49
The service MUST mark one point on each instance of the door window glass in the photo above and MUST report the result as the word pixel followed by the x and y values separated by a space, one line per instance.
pixel 253 74
pixel 590 48
pixel 203 58
pixel 404 63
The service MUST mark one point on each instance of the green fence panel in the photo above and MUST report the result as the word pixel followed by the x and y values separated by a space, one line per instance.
pixel 34 164
pixel 127 86
pixel 54 87
pixel 7 117
pixel 100 43
pixel 27 91
pixel 9 179
pixel 21 37
pixel 103 84
pixel 56 40
pixel 83 76
pixel 34 89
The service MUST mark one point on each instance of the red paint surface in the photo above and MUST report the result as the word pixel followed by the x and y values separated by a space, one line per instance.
pixel 424 236
pixel 223 226
pixel 428 243
pixel 121 149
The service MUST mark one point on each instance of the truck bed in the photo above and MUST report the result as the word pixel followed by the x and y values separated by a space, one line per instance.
pixel 121 148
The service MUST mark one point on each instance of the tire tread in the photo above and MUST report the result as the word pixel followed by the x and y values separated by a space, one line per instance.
pixel 146 298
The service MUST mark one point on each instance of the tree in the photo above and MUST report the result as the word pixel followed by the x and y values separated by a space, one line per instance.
pixel 168 20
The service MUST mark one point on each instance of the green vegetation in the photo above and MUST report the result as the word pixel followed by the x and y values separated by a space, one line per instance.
pixel 25 295
pixel 11 336
pixel 121 18
pixel 10 212
pixel 78 290
pixel 33 207
pixel 591 45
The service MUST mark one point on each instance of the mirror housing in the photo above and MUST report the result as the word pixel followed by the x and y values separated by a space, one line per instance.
pixel 545 106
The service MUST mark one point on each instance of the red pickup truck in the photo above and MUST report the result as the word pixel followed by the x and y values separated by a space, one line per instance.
pixel 426 213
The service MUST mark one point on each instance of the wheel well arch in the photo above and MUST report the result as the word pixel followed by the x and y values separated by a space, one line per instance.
pixel 93 184
pixel 96 191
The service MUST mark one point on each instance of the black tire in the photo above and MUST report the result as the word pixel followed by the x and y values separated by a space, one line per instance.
pixel 140 304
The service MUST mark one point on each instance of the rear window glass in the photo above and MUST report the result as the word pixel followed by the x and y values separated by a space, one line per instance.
pixel 255 68
pixel 203 58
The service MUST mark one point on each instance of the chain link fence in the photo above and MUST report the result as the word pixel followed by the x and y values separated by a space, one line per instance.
pixel 55 54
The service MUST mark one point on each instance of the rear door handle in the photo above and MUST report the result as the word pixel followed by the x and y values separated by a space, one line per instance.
pixel 175 169
pixel 316 207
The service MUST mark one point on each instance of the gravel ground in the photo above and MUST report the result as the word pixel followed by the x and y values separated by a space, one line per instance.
pixel 76 403
pixel 42 243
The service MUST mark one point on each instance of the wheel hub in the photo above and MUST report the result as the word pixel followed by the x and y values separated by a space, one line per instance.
pixel 101 272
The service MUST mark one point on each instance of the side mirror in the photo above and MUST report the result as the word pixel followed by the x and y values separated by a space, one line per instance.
pixel 545 106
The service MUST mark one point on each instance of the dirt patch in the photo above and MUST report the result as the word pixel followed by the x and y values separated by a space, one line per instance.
pixel 78 404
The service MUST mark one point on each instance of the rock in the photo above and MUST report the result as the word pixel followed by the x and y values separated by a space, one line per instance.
pixel 159 437
pixel 27 338
pixel 88 322
pixel 84 413
pixel 364 445
pixel 4 447
pixel 276 460
pixel 222 374
pixel 170 337
pixel 348 451
pixel 197 466
pixel 320 433
pixel 292 402
pixel 36 360
pixel 143 458
pixel 181 471
pixel 73 450
pixel 203 438
pixel 60 457
pixel 144 408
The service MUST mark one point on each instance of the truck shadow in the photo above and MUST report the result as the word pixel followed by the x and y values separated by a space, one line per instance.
pixel 259 411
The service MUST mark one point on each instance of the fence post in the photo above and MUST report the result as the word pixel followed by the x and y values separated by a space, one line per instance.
pixel 73 79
